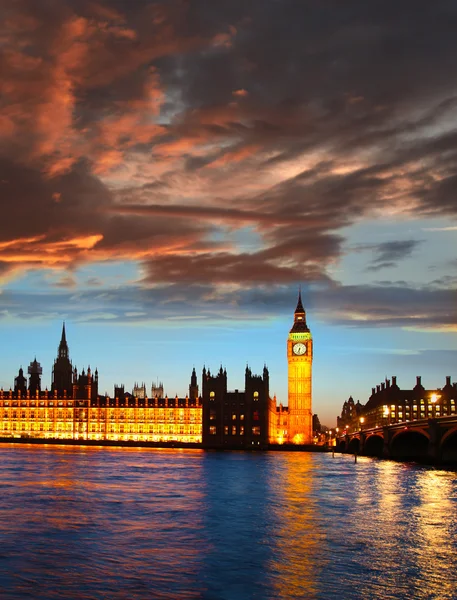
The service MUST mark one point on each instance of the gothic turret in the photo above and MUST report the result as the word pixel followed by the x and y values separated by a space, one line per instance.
pixel 35 370
pixel 20 383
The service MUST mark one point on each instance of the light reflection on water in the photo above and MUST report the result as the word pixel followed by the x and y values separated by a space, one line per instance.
pixel 96 523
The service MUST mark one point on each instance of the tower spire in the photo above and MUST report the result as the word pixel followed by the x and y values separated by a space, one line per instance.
pixel 63 346
pixel 299 308
pixel 299 316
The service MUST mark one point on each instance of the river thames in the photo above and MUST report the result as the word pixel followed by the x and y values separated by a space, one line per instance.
pixel 131 524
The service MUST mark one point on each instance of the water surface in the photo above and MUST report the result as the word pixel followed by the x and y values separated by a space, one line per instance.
pixel 107 523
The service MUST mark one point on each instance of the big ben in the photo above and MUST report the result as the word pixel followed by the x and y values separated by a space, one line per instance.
pixel 300 363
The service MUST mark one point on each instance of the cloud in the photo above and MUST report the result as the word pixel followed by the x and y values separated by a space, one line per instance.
pixel 158 133
pixel 389 254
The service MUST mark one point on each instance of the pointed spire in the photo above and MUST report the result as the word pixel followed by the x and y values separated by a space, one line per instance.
pixel 63 346
pixel 299 317
pixel 299 308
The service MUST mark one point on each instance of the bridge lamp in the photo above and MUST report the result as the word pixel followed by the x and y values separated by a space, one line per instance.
pixel 362 421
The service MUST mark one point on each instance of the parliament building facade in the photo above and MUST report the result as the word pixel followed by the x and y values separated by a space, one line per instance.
pixel 72 409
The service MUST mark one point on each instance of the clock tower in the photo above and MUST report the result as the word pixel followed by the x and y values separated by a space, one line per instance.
pixel 300 363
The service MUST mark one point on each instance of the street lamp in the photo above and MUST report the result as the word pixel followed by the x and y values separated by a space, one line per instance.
pixel 362 421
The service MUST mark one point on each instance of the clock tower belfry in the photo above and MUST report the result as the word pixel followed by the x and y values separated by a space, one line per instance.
pixel 300 363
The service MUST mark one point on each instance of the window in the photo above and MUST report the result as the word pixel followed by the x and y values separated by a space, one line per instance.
pixel 256 396
pixel 212 414
pixel 212 430
pixel 255 416
pixel 226 430
pixel 256 430
pixel 233 416
pixel 233 429
pixel 211 395
pixel 242 430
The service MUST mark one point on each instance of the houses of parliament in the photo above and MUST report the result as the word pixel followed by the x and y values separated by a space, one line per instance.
pixel 72 409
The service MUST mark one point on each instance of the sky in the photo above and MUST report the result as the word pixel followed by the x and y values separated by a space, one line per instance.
pixel 172 172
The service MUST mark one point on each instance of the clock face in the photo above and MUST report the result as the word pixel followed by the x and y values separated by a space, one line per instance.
pixel 299 349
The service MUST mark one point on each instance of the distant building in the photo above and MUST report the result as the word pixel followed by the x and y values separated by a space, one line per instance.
pixel 235 419
pixel 388 404
pixel 218 418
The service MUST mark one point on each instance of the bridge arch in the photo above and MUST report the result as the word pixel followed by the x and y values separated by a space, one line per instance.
pixel 354 446
pixel 374 445
pixel 448 446
pixel 341 446
pixel 409 444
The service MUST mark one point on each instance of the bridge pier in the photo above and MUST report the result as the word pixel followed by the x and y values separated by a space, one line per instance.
pixel 386 445
pixel 433 450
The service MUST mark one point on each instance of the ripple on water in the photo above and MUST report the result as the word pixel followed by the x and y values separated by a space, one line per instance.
pixel 124 523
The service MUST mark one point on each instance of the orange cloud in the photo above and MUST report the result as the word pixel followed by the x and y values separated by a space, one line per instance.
pixel 240 93
pixel 235 156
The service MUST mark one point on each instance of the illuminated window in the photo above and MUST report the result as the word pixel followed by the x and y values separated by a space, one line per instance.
pixel 226 429
pixel 256 396
pixel 212 414
pixel 233 416
pixel 256 430
pixel 212 430
pixel 242 430
pixel 211 395
pixel 241 417
pixel 233 429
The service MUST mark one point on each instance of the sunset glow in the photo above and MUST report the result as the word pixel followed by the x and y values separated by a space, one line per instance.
pixel 171 173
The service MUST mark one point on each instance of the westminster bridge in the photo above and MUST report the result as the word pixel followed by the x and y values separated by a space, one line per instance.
pixel 429 440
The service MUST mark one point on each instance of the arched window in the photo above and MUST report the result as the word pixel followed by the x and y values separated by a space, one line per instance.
pixel 256 396
pixel 211 395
